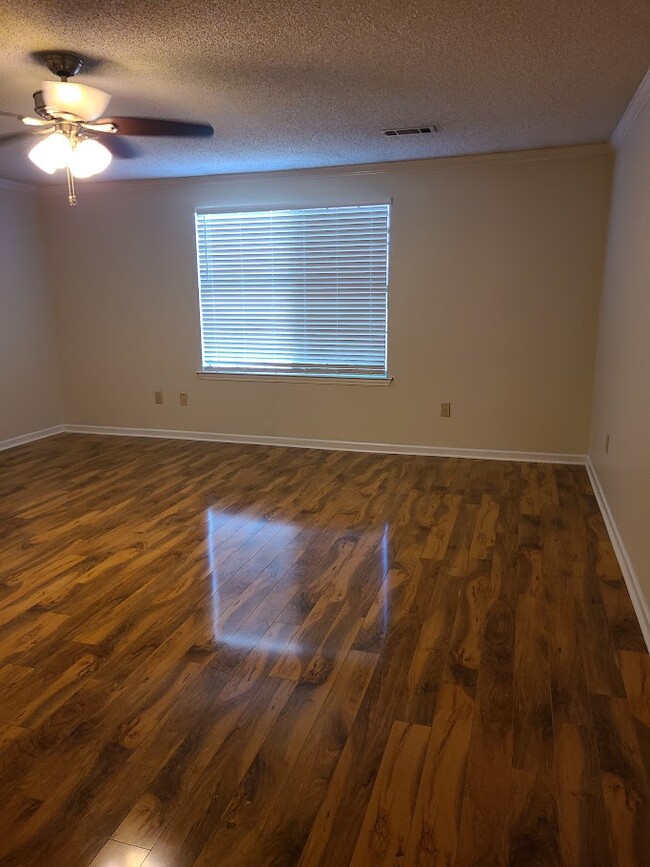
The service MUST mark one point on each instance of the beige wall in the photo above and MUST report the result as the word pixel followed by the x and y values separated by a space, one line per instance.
pixel 622 386
pixel 29 390
pixel 494 283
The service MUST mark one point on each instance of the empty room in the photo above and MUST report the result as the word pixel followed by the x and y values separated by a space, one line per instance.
pixel 324 433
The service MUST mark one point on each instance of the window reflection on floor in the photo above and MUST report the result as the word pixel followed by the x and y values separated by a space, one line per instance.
pixel 221 526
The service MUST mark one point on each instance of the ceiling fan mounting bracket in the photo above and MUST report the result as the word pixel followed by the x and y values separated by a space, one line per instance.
pixel 63 63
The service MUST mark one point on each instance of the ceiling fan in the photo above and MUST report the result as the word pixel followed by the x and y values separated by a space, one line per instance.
pixel 78 139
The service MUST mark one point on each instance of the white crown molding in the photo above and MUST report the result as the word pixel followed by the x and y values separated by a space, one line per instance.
pixel 639 601
pixel 330 445
pixel 598 149
pixel 633 110
pixel 17 186
pixel 31 437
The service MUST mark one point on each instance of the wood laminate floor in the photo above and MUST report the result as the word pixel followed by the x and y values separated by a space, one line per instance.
pixel 218 655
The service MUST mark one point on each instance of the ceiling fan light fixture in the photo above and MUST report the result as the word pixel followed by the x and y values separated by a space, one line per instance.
pixel 84 158
pixel 69 98
pixel 52 153
pixel 89 158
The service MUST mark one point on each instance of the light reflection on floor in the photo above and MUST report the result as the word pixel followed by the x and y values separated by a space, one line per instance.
pixel 385 564
pixel 214 575
pixel 216 518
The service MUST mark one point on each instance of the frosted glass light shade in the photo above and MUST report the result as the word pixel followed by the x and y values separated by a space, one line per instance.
pixel 69 98
pixel 52 153
pixel 89 158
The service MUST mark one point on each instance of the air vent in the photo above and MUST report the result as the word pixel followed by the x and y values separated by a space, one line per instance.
pixel 410 130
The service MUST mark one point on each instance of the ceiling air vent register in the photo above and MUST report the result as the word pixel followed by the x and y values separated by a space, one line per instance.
pixel 410 130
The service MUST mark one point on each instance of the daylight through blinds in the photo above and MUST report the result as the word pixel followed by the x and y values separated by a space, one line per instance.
pixel 294 291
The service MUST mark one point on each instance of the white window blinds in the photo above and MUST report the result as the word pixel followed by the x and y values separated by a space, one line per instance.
pixel 294 291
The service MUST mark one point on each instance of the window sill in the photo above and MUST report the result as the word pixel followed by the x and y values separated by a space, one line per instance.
pixel 310 380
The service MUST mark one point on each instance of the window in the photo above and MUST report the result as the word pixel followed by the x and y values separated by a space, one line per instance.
pixel 294 292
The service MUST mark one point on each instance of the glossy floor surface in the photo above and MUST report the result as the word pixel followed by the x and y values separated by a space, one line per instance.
pixel 228 655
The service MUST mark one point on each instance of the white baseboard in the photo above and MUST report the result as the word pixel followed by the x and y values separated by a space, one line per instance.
pixel 331 445
pixel 639 601
pixel 31 437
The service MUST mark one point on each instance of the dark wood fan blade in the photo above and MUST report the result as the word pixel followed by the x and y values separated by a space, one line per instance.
pixel 155 126
pixel 11 114
pixel 117 145
pixel 15 136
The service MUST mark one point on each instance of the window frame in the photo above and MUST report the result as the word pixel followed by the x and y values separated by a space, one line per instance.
pixel 210 373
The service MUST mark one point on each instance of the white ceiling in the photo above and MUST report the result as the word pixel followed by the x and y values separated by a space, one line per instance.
pixel 303 83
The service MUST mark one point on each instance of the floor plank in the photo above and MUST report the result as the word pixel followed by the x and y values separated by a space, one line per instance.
pixel 433 836
pixel 624 780
pixel 487 790
pixel 635 668
pixel 533 835
pixel 386 825
pixel 583 820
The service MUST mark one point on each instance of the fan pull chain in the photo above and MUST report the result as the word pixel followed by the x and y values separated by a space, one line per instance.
pixel 72 196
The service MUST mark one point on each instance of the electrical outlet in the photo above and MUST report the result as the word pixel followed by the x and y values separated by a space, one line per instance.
pixel 183 398
pixel 606 443
pixel 157 397
pixel 445 410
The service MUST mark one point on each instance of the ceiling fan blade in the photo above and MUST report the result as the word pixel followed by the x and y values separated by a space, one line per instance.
pixel 118 146
pixel 15 136
pixel 99 127
pixel 27 120
pixel 156 126
pixel 35 121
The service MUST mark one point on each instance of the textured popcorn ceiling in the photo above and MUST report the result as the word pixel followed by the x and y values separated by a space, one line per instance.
pixel 301 83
